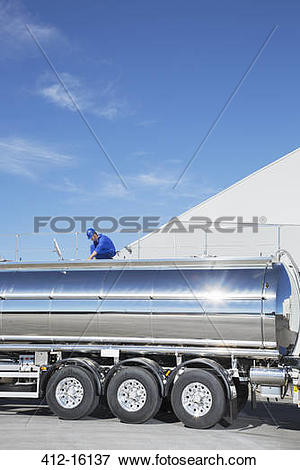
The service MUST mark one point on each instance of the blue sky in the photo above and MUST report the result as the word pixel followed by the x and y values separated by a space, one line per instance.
pixel 150 78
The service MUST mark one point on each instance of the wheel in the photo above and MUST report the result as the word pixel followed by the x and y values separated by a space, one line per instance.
pixel 133 395
pixel 71 393
pixel 198 399
pixel 242 390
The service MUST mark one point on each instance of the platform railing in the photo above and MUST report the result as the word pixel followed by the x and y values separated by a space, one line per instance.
pixel 268 239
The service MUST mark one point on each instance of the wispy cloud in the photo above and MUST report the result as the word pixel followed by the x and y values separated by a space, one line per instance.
pixel 174 161
pixel 142 185
pixel 27 158
pixel 13 33
pixel 114 189
pixel 195 191
pixel 161 182
pixel 110 187
pixel 141 153
pixel 66 186
pixel 147 123
pixel 152 179
pixel 100 101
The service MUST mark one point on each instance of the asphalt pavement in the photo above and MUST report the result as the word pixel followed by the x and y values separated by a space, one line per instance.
pixel 30 425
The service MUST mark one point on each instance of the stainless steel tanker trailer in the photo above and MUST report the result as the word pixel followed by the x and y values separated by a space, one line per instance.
pixel 198 333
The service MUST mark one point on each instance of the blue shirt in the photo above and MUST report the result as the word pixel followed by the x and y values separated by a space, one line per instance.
pixel 104 247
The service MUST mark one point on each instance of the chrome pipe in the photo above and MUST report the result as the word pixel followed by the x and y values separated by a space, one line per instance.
pixel 207 352
pixel 83 296
pixel 145 340
pixel 198 263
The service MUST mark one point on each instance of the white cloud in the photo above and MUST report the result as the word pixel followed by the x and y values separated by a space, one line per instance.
pixel 56 94
pixel 152 179
pixel 102 103
pixel 26 158
pixel 13 33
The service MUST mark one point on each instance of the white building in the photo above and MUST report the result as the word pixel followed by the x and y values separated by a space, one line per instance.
pixel 270 196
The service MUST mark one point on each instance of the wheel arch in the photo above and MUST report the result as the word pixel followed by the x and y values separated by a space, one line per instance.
pixel 146 363
pixel 202 363
pixel 83 362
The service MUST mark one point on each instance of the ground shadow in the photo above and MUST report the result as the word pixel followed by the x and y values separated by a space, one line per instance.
pixel 279 415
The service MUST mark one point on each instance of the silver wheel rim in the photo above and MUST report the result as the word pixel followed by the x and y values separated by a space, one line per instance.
pixel 196 399
pixel 69 392
pixel 132 395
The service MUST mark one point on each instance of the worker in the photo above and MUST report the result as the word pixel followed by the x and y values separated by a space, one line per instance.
pixel 102 246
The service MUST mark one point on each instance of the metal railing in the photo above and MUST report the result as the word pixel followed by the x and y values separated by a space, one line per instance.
pixel 266 241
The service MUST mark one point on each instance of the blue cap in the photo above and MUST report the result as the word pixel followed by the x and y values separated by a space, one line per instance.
pixel 90 232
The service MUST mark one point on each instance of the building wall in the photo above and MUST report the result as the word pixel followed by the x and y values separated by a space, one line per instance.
pixel 271 194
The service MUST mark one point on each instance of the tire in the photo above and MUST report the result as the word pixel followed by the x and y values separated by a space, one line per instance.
pixel 242 390
pixel 193 413
pixel 133 409
pixel 75 405
pixel 95 405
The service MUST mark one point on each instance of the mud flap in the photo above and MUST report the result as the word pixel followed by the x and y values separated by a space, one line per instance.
pixel 232 408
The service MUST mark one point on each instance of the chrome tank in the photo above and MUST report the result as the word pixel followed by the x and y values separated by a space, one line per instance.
pixel 212 302
pixel 268 376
